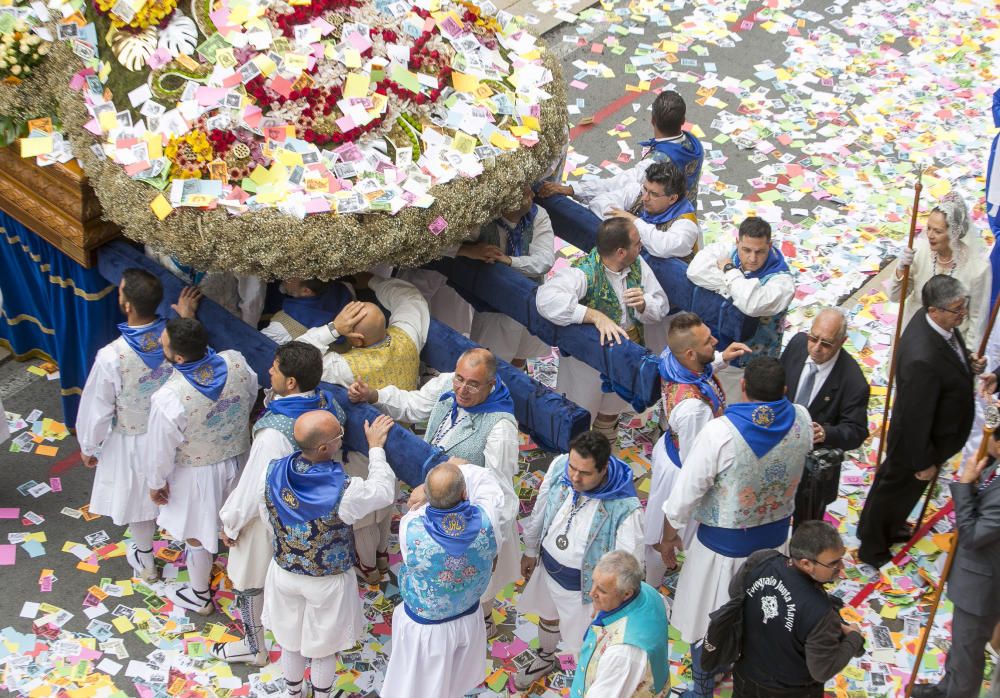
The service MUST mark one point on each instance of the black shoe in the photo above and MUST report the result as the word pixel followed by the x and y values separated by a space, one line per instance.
pixel 926 690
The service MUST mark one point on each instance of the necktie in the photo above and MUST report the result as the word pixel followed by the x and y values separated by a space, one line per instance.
pixel 953 343
pixel 806 387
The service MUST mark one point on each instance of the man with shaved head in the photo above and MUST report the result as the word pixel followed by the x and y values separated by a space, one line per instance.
pixel 828 382
pixel 448 547
pixel 692 396
pixel 469 414
pixel 379 355
pixel 311 601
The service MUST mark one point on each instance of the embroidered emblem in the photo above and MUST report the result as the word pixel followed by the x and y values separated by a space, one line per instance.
pixel 453 525
pixel 769 605
pixel 289 498
pixel 149 341
pixel 763 416
pixel 204 375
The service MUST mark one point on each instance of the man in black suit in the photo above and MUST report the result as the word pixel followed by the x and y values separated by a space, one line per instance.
pixel 829 383
pixel 972 586
pixel 931 418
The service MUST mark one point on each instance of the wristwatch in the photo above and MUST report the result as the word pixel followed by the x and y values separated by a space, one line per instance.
pixel 728 268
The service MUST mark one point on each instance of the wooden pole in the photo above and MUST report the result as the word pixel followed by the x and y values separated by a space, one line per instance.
pixel 903 289
pixel 992 422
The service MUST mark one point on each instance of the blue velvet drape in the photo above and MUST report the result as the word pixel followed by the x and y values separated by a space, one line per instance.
pixel 53 307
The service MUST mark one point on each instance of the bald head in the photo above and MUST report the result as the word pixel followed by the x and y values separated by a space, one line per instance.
pixel 318 434
pixel 473 358
pixel 445 486
pixel 831 322
pixel 371 324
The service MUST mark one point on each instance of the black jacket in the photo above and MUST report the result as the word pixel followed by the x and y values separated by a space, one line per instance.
pixel 841 405
pixel 934 406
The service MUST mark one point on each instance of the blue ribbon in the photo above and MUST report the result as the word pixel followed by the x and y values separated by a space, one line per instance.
pixel 145 341
pixel 515 235
pixel 678 209
pixel 672 371
pixel 454 529
pixel 300 495
pixel 775 264
pixel 762 424
pixel 499 400
pixel 207 375
pixel 617 484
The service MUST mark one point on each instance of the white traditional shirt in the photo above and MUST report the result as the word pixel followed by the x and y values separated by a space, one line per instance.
pixel 750 296
pixel 167 422
pixel 620 670
pixel 541 253
pixel 629 536
pixel 558 299
pixel 710 454
pixel 409 311
pixel 590 191
pixel 244 502
pixel 483 490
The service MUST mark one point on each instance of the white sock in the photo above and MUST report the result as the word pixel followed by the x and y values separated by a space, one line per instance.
pixel 321 674
pixel 251 604
pixel 142 536
pixel 293 666
pixel 548 637
pixel 199 565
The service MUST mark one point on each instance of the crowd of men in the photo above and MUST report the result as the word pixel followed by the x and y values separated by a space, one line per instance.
pixel 752 439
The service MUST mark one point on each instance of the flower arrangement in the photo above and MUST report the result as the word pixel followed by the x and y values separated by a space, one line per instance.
pixel 20 52
pixel 122 13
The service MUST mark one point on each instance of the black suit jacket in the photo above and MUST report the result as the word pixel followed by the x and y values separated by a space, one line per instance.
pixel 934 406
pixel 972 585
pixel 841 405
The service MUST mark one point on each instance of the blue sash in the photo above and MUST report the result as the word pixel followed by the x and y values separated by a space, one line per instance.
pixel 741 542
pixel 515 235
pixel 425 621
pixel 566 577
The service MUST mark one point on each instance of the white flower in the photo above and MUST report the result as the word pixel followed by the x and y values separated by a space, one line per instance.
pixel 15 70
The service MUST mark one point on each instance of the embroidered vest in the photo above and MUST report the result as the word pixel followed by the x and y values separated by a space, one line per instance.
pixel 767 340
pixel 286 425
pixel 435 585
pixel 676 393
pixel 468 438
pixel 215 430
pixel 600 294
pixel 138 385
pixel 642 623
pixel 320 548
pixel 493 234
pixel 756 491
pixel 636 210
pixel 393 361
pixel 603 529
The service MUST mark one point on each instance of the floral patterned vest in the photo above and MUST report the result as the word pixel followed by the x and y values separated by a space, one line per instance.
pixel 436 585
pixel 320 548
pixel 676 393
pixel 468 438
pixel 215 430
pixel 138 385
pixel 756 491
pixel 393 361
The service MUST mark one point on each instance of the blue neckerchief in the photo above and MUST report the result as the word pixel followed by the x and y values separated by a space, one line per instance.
pixel 454 529
pixel 304 495
pixel 679 208
pixel 195 277
pixel 516 234
pixel 775 264
pixel 762 424
pixel 601 615
pixel 672 371
pixel 296 405
pixel 207 375
pixel 682 153
pixel 314 311
pixel 617 485
pixel 499 400
pixel 145 341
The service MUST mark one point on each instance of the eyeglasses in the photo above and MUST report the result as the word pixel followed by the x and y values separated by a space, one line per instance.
pixel 652 194
pixel 825 343
pixel 957 311
pixel 460 383
pixel 835 565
